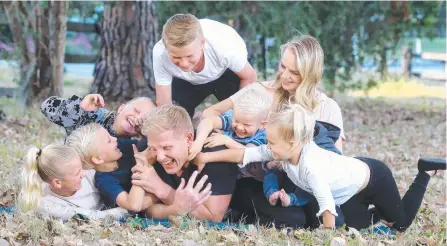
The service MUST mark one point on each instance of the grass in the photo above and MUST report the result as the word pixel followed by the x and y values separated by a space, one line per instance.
pixel 395 131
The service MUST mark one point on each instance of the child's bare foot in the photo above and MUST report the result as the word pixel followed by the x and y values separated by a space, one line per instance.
pixel 273 199
pixel 284 197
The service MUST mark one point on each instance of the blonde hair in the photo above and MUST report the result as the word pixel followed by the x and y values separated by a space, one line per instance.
pixel 254 102
pixel 309 59
pixel 180 30
pixel 166 118
pixel 42 165
pixel 83 142
pixel 293 122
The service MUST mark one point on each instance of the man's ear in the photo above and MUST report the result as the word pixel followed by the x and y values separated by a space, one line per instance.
pixel 97 160
pixel 121 108
pixel 190 138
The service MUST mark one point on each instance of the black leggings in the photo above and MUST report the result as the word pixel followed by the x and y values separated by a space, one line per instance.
pixel 382 192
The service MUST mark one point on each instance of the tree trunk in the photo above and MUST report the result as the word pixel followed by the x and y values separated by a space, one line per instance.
pixel 406 61
pixel 124 67
pixel 58 24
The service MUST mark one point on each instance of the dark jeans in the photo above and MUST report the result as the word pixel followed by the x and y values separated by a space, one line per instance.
pixel 249 200
pixel 190 96
pixel 383 193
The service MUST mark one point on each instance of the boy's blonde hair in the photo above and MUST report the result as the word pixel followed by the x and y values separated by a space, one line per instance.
pixel 180 30
pixel 84 143
pixel 166 118
pixel 293 123
pixel 254 102
pixel 309 59
pixel 42 165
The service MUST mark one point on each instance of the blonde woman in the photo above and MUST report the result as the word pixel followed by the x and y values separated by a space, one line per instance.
pixel 299 72
pixel 55 184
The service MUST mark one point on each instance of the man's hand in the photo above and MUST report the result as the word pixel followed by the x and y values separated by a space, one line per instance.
pixel 188 198
pixel 92 102
pixel 216 139
pixel 147 178
pixel 140 157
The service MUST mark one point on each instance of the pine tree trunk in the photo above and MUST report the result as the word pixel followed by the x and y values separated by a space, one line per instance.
pixel 129 32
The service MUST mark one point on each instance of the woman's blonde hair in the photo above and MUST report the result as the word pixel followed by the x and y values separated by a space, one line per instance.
pixel 42 165
pixel 309 60
pixel 180 30
pixel 293 123
pixel 84 143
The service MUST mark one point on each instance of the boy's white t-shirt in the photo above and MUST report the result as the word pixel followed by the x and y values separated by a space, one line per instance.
pixel 85 201
pixel 224 49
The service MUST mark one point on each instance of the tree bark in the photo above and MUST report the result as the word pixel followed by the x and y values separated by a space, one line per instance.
pixel 124 67
pixel 58 24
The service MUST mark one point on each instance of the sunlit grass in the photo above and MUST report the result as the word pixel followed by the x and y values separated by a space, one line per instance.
pixel 400 88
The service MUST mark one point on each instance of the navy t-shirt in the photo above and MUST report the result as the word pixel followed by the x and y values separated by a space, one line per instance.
pixel 111 184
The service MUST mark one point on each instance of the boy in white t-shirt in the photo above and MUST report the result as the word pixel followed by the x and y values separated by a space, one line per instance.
pixel 197 58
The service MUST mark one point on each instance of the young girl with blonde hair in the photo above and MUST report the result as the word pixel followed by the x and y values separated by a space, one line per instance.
pixel 55 184
pixel 351 183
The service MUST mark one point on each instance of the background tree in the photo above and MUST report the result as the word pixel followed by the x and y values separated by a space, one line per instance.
pixel 128 32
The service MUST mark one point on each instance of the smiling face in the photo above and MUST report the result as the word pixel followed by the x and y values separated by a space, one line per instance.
pixel 188 57
pixel 73 173
pixel 281 149
pixel 171 149
pixel 245 125
pixel 107 147
pixel 129 114
pixel 288 72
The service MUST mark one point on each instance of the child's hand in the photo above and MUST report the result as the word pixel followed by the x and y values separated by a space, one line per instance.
pixel 194 150
pixel 216 139
pixel 92 102
pixel 273 164
pixel 199 161
pixel 284 197
pixel 273 199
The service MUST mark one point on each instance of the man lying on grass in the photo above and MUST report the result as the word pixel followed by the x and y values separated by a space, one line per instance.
pixel 170 135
